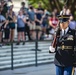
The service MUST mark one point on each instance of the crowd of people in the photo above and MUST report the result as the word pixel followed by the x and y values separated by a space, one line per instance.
pixel 28 20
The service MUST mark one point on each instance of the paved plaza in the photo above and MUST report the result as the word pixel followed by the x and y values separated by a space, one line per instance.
pixel 48 69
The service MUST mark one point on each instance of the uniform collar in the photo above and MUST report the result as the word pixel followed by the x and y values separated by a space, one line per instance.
pixel 65 29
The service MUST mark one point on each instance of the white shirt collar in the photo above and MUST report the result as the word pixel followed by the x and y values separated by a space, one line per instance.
pixel 65 30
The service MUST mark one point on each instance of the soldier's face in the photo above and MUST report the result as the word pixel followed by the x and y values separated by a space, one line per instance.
pixel 64 25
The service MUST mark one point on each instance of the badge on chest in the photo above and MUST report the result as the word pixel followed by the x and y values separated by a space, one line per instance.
pixel 70 37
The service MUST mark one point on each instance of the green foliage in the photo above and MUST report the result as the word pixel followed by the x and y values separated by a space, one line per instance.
pixel 45 4
pixel 51 4
pixel 36 2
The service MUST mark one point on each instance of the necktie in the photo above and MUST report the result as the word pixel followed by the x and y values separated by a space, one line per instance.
pixel 64 32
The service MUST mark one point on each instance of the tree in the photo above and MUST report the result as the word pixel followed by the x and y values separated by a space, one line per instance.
pixel 51 4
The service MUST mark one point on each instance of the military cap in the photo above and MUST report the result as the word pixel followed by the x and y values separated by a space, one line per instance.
pixel 63 18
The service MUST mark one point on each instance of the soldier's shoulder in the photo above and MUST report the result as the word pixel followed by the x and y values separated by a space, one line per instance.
pixel 72 29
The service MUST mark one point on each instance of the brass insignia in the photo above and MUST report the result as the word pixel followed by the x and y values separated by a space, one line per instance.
pixel 70 37
pixel 63 47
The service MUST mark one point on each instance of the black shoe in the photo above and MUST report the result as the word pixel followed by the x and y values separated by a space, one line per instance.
pixel 30 39
pixel 23 43
pixel 17 43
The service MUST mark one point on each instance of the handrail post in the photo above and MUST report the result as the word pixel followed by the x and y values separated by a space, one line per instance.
pixel 36 47
pixel 11 55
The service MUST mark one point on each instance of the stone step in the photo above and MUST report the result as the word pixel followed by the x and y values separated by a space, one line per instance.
pixel 25 64
pixel 24 49
pixel 27 44
pixel 22 60
pixel 26 61
pixel 3 58
pixel 24 55
pixel 19 48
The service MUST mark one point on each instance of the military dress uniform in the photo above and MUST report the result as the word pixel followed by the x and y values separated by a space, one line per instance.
pixel 74 64
pixel 64 56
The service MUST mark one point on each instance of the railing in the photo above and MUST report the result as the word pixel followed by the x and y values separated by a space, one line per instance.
pixel 36 50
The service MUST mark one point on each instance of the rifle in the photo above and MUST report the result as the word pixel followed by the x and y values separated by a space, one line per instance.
pixel 55 37
pixel 54 42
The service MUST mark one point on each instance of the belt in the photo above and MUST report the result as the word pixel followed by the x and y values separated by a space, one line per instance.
pixel 64 47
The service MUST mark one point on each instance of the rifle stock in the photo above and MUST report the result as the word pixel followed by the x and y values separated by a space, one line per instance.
pixel 54 42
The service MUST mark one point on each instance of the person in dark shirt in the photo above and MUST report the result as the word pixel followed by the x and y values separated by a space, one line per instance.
pixel 38 22
pixel 3 25
pixel 12 19
pixel 5 8
pixel 25 10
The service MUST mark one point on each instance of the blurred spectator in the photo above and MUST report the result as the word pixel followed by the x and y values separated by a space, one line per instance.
pixel 5 8
pixel 38 21
pixel 53 23
pixel 68 12
pixel 3 24
pixel 25 10
pixel 27 24
pixel 21 20
pixel 72 24
pixel 47 12
pixel 56 11
pixel 12 20
pixel 44 22
pixel 6 33
pixel 63 10
pixel 32 25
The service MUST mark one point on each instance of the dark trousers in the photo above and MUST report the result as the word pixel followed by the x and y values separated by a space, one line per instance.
pixel 48 29
pixel 63 70
pixel 7 32
pixel 27 30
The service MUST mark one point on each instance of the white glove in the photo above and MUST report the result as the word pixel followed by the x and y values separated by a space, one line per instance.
pixel 51 49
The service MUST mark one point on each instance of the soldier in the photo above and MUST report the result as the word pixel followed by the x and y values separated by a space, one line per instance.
pixel 65 43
